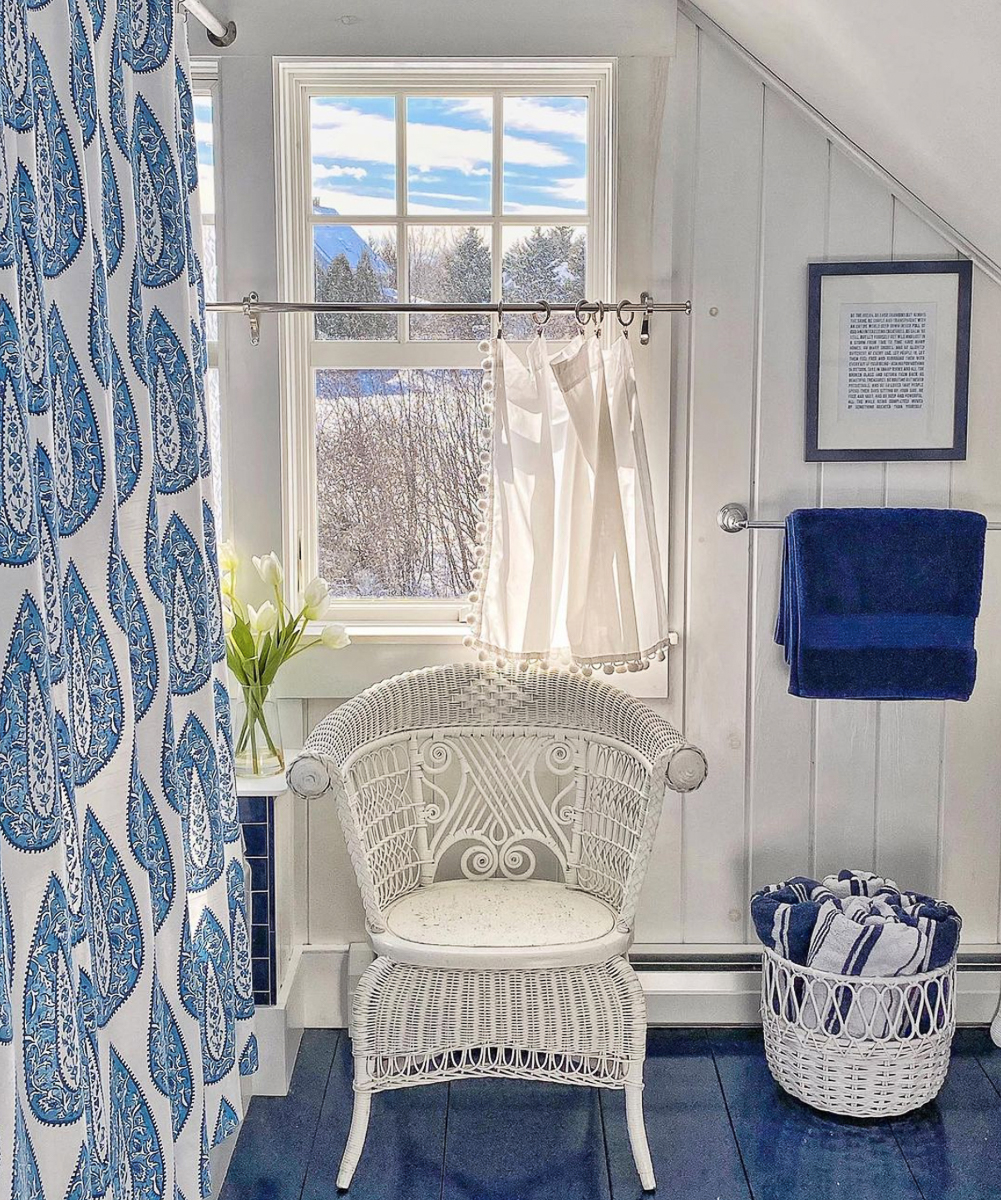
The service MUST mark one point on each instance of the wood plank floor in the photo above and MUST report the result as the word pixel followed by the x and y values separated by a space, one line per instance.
pixel 719 1129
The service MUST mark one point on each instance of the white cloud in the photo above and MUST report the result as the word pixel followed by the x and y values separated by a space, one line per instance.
pixel 533 115
pixel 343 133
pixel 322 174
pixel 573 190
pixel 353 202
pixel 543 207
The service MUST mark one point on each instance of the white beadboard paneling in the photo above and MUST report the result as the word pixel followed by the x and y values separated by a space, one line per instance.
pixel 911 735
pixel 794 216
pixel 724 296
pixel 860 225
pixel 970 826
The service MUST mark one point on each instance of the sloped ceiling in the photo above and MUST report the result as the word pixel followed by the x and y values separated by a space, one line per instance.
pixel 915 83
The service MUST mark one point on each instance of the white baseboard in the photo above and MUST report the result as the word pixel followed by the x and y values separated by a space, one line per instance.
pixel 731 996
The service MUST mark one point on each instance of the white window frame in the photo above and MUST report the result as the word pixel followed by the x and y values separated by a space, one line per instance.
pixel 297 81
pixel 205 82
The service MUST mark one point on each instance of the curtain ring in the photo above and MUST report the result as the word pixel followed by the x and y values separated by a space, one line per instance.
pixel 500 318
pixel 540 325
pixel 619 308
pixel 581 320
pixel 599 319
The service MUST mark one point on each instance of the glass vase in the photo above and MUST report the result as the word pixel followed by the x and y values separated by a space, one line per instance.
pixel 257 735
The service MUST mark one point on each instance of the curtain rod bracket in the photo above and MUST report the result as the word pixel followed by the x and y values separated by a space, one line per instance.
pixel 253 316
pixel 218 32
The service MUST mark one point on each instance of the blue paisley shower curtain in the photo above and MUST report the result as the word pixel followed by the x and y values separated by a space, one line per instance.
pixel 125 992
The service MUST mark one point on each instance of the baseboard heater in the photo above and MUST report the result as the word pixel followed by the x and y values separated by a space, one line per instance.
pixel 718 987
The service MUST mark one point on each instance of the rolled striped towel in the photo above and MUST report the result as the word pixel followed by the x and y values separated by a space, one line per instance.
pixel 860 924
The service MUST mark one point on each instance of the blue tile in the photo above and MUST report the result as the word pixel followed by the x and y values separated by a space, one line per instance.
pixel 272 1154
pixel 260 970
pixel 260 941
pixel 258 874
pixel 694 1152
pixel 512 1138
pixel 793 1152
pixel 252 808
pixel 953 1145
pixel 259 908
pixel 255 840
pixel 402 1159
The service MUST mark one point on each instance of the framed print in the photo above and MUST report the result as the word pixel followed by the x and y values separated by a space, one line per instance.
pixel 888 360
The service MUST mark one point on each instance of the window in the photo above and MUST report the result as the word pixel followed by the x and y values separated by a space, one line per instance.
pixel 203 87
pixel 468 182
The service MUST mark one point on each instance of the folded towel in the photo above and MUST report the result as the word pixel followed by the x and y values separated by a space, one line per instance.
pixel 880 603
pixel 857 923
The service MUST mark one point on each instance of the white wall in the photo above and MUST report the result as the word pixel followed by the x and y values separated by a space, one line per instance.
pixel 914 82
pixel 725 179
pixel 795 786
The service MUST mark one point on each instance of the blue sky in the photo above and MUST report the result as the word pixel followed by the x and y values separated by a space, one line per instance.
pixel 449 145
pixel 204 140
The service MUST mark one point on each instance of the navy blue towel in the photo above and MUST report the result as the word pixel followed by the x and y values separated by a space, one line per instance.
pixel 880 603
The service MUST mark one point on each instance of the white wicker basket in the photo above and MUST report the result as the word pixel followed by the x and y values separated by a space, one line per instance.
pixel 856 1046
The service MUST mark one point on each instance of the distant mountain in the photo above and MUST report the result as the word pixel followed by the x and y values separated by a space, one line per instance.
pixel 331 240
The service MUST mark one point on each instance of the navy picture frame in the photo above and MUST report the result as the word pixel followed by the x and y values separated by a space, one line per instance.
pixel 962 268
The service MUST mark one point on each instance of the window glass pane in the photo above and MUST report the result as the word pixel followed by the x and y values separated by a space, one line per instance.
pixel 353 149
pixel 545 262
pixel 355 263
pixel 210 271
pixel 449 263
pixel 545 154
pixel 397 461
pixel 214 411
pixel 449 154
pixel 204 140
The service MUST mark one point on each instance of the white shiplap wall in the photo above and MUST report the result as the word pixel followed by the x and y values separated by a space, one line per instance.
pixel 913 790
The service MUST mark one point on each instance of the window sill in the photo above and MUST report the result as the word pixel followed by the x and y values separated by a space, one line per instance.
pixel 387 633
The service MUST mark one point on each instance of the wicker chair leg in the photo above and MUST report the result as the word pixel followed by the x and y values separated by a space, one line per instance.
pixel 356 1138
pixel 637 1136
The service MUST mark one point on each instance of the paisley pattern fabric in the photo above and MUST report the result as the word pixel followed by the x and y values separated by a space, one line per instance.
pixel 126 1002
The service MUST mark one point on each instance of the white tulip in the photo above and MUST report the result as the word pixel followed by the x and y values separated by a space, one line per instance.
pixel 316 599
pixel 335 637
pixel 228 620
pixel 316 612
pixel 228 560
pixel 263 619
pixel 270 569
pixel 316 589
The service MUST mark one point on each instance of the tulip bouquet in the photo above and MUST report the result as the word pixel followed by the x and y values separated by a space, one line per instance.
pixel 258 642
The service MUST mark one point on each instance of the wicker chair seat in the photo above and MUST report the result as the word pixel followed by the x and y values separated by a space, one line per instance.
pixel 476 924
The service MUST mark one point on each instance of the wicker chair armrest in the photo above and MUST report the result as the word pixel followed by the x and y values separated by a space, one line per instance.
pixel 312 774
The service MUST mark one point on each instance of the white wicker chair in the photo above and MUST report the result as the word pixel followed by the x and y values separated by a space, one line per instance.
pixel 500 824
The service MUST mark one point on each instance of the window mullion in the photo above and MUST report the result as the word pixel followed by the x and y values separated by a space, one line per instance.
pixel 402 241
pixel 497 194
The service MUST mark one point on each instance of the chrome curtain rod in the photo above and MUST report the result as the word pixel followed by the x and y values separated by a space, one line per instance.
pixel 220 33
pixel 732 518
pixel 252 307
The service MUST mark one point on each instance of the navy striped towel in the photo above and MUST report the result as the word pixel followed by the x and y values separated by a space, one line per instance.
pixel 855 923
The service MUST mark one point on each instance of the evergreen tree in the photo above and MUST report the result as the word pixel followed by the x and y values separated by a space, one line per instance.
pixel 467 280
pixel 368 286
pixel 334 283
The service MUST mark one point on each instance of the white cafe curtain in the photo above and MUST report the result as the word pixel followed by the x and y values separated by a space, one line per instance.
pixel 570 569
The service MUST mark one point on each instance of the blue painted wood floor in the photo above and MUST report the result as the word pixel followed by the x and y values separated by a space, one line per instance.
pixel 719 1129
